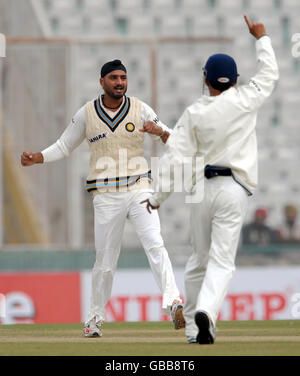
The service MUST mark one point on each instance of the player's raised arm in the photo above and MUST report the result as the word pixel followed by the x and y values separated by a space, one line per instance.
pixel 258 30
pixel 261 85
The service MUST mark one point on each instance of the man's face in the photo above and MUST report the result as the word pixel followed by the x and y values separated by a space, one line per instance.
pixel 114 84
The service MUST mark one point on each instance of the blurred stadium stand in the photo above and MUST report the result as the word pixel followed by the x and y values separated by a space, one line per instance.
pixel 164 44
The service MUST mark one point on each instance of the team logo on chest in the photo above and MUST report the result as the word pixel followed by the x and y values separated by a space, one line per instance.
pixel 130 127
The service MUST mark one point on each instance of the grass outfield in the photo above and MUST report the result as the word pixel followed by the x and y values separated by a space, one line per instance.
pixel 272 338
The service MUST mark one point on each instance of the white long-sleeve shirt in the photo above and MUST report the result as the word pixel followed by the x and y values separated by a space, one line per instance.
pixel 221 129
pixel 75 133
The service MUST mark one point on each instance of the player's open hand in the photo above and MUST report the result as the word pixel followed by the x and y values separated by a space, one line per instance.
pixel 256 29
pixel 152 128
pixel 28 158
pixel 149 207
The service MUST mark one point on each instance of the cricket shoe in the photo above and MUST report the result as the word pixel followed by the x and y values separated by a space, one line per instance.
pixel 206 334
pixel 92 329
pixel 177 315
pixel 192 340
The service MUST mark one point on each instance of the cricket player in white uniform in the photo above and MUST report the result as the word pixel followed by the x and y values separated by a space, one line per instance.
pixel 113 125
pixel 220 128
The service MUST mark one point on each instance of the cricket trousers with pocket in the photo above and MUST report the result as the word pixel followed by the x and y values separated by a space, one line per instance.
pixel 110 213
pixel 216 224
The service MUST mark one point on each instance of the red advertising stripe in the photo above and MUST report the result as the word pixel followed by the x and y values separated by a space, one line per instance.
pixel 41 297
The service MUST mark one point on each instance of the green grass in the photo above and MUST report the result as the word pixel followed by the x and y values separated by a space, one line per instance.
pixel 265 338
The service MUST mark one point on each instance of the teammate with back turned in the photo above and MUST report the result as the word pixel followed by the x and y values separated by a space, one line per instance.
pixel 220 128
pixel 114 126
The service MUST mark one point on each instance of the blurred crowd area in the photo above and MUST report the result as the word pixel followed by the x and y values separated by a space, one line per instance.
pixel 55 49
pixel 259 232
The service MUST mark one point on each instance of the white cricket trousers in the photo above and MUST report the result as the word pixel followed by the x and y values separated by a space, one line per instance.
pixel 216 223
pixel 110 213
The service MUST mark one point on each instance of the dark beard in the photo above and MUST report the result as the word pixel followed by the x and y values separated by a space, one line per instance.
pixel 115 96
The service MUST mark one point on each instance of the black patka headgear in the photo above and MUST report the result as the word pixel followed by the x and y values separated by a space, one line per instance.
pixel 111 66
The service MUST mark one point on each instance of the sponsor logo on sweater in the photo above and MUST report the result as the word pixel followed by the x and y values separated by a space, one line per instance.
pixel 99 137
